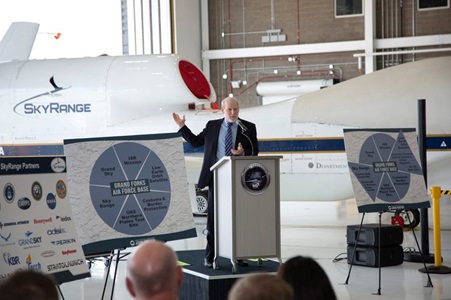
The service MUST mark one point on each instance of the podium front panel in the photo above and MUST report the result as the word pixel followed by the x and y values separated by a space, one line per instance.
pixel 256 215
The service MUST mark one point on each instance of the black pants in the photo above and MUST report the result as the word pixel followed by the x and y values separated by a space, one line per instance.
pixel 210 249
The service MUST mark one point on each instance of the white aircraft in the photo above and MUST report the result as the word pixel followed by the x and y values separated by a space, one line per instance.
pixel 45 101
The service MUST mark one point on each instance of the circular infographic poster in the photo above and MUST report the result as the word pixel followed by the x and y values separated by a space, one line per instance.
pixel 387 173
pixel 392 163
pixel 130 188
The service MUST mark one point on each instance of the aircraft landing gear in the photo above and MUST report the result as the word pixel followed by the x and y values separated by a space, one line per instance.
pixel 201 201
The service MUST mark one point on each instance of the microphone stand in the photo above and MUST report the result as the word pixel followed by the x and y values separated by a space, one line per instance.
pixel 243 131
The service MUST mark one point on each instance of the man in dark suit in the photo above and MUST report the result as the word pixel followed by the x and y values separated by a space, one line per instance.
pixel 213 138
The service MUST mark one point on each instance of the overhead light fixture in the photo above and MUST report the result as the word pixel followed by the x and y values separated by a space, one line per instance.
pixel 276 71
pixel 231 95
pixel 298 72
pixel 224 76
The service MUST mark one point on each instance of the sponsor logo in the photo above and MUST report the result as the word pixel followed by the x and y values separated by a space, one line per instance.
pixel 56 231
pixel 5 238
pixel 255 178
pixel 64 219
pixel 36 191
pixel 29 241
pixel 58 165
pixel 51 201
pixel 68 252
pixel 31 266
pixel 6 224
pixel 11 260
pixel 9 192
pixel 63 242
pixel 42 221
pixel 61 189
pixel 65 265
pixel 48 253
pixel 24 203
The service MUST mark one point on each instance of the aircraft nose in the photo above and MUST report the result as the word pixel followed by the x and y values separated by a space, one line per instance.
pixel 195 80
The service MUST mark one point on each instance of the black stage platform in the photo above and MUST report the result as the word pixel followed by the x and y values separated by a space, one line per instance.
pixel 201 283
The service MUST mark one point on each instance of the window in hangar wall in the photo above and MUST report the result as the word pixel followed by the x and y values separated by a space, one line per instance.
pixel 432 4
pixel 348 8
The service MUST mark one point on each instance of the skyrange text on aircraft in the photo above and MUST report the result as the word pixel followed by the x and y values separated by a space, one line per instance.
pixel 56 108
pixel 52 107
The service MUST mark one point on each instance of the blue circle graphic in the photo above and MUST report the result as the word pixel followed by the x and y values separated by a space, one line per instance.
pixel 130 188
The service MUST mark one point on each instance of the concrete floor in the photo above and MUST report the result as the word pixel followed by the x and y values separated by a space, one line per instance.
pixel 317 229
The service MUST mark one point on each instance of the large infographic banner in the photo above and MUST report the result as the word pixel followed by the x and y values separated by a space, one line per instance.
pixel 385 169
pixel 36 223
pixel 128 189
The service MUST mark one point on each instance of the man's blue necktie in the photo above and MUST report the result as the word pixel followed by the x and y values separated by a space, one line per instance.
pixel 228 140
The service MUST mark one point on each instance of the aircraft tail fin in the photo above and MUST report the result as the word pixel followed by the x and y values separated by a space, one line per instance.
pixel 18 41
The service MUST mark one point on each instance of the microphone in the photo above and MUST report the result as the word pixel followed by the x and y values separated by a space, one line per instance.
pixel 243 127
pixel 243 131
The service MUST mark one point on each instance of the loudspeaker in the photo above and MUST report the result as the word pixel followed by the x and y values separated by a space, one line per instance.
pixel 391 235
pixel 368 256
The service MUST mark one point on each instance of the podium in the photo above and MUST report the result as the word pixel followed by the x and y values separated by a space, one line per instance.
pixel 247 208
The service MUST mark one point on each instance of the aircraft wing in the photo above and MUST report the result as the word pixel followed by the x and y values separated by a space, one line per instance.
pixel 19 47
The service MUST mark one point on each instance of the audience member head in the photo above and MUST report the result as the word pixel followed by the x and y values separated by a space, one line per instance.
pixel 260 287
pixel 153 273
pixel 308 279
pixel 29 285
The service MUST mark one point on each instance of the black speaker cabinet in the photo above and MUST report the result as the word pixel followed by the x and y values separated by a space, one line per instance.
pixel 368 256
pixel 391 235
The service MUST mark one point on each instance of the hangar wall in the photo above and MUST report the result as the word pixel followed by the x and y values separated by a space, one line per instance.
pixel 237 24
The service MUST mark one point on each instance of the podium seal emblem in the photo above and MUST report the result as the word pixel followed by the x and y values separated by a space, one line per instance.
pixel 255 178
